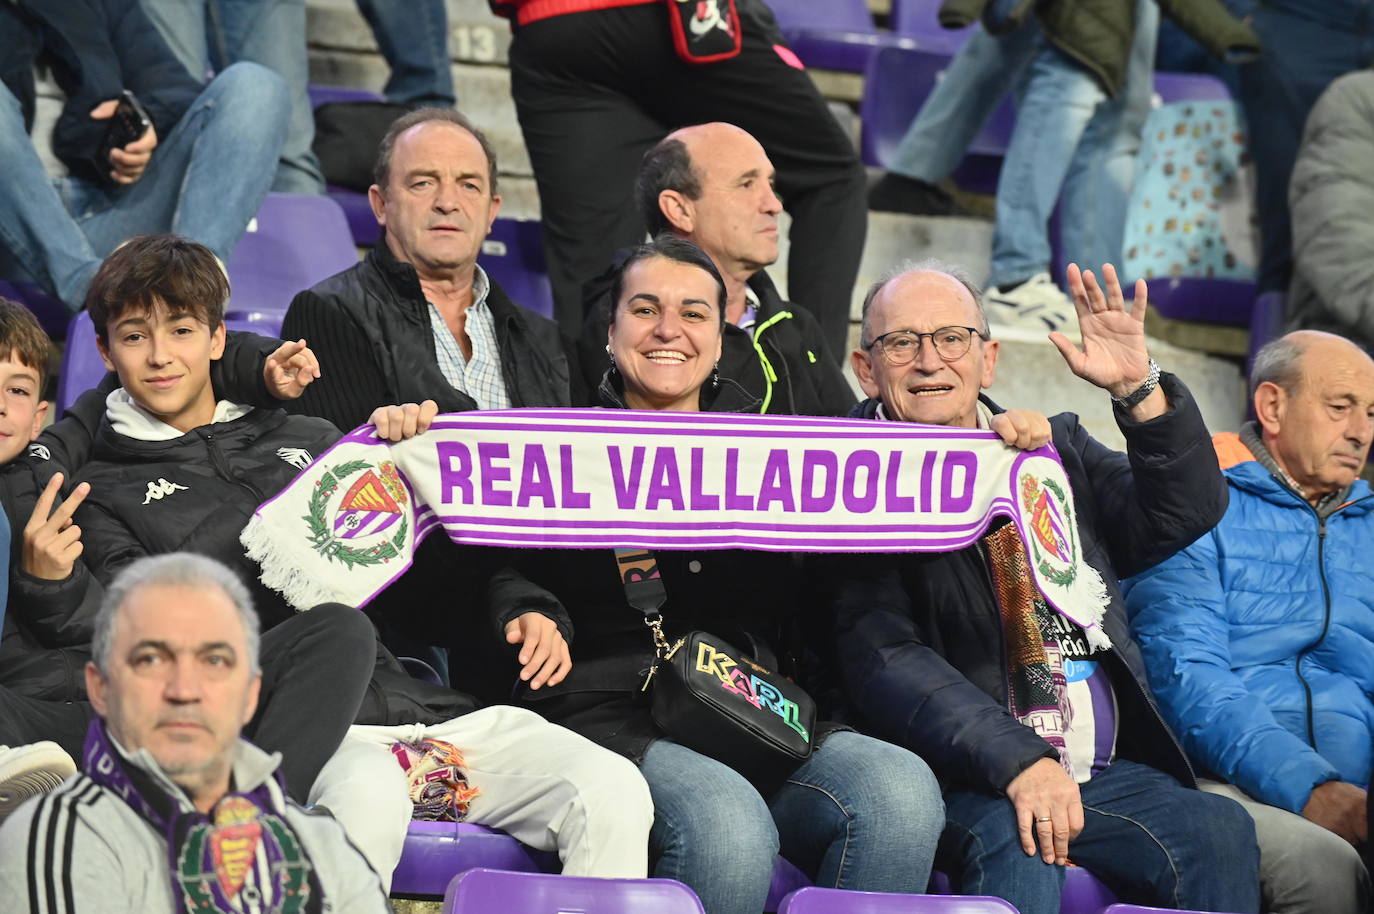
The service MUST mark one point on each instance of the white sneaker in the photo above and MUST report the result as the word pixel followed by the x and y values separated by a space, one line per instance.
pixel 27 771
pixel 1037 304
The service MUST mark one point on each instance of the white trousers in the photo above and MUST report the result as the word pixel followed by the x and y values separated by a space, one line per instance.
pixel 544 784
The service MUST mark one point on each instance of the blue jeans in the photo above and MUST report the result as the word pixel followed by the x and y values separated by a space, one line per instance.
pixel 268 32
pixel 859 814
pixel 206 180
pixel 413 37
pixel 985 69
pixel 1151 840
pixel 1070 136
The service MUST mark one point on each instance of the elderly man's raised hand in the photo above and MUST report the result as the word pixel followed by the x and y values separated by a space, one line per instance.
pixel 1113 356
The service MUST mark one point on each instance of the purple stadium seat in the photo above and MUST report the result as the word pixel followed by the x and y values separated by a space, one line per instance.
pixel 1267 323
pixel 920 18
pixel 435 852
pixel 838 901
pixel 1212 301
pixel 484 891
pixel 835 35
pixel 82 367
pixel 513 255
pixel 52 314
pixel 786 880
pixel 294 241
pixel 1083 893
pixel 896 85
pixel 1183 87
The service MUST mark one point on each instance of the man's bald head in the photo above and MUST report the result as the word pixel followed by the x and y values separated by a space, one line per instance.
pixel 713 184
pixel 1313 394
pixel 920 303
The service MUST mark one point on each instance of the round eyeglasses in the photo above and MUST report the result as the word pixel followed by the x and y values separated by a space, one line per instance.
pixel 900 347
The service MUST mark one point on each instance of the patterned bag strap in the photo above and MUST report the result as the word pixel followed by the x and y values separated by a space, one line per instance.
pixel 644 592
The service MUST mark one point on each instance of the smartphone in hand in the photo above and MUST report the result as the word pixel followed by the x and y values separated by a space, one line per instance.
pixel 129 122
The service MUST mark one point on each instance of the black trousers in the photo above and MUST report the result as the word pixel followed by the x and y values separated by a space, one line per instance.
pixel 595 90
pixel 315 670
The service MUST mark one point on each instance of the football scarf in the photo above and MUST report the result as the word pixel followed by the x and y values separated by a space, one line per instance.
pixel 242 857
pixel 576 479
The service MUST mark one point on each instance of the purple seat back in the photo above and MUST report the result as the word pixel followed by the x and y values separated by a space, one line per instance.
pixel 435 852
pixel 513 255
pixel 82 367
pixel 922 18
pixel 1083 892
pixel 52 315
pixel 829 16
pixel 896 86
pixel 1267 323
pixel 1186 87
pixel 294 241
pixel 358 211
pixel 786 880
pixel 839 901
pixel 1211 301
pixel 483 891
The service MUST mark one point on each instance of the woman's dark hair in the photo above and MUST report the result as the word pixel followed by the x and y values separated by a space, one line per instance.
pixel 669 247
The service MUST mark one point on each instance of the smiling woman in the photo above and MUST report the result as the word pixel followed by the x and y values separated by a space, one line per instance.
pixel 857 813
pixel 665 334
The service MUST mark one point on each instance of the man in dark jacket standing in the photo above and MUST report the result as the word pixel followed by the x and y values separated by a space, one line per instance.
pixel 200 165
pixel 419 319
pixel 1048 748
pixel 713 184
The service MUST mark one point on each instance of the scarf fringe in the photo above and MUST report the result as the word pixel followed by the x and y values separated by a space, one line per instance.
pixel 1095 594
pixel 301 589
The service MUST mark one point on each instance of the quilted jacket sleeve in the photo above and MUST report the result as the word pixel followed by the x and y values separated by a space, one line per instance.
pixel 1331 195
pixel 1178 614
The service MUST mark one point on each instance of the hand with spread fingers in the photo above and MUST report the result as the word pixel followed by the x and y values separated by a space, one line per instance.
pixel 1025 429
pixel 397 423
pixel 52 543
pixel 290 369
pixel 1114 355
pixel 544 653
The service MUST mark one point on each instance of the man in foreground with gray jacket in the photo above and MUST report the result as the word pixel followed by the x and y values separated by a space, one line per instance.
pixel 173 811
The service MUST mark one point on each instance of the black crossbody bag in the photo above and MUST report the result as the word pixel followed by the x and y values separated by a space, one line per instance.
pixel 711 697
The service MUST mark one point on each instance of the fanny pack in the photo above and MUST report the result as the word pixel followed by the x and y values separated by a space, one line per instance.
pixel 704 31
pixel 712 698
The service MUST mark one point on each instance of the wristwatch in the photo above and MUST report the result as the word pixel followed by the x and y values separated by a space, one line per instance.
pixel 1135 397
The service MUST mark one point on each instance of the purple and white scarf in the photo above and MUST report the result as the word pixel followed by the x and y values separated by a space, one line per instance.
pixel 555 478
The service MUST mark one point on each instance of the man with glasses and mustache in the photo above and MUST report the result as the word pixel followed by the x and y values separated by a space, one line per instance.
pixel 1047 747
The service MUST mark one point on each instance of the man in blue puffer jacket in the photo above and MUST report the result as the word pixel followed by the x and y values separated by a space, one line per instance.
pixel 1259 638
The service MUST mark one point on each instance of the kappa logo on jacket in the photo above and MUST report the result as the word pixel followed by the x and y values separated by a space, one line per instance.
pixel 40 451
pixel 160 488
pixel 298 457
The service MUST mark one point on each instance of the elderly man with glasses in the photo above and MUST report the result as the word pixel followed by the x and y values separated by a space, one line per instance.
pixel 1048 748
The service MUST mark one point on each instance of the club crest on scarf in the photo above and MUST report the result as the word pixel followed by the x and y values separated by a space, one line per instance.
pixel 356 528
pixel 219 856
pixel 1054 542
